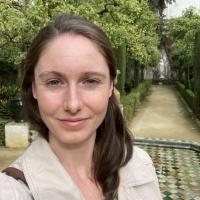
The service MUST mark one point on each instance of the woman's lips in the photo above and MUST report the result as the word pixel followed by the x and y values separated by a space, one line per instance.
pixel 73 122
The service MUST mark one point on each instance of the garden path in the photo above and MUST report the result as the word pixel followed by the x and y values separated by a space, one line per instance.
pixel 7 155
pixel 163 114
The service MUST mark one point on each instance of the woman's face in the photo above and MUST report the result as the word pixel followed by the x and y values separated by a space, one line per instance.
pixel 72 87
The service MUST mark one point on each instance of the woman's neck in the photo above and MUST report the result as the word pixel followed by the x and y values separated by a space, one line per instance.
pixel 76 158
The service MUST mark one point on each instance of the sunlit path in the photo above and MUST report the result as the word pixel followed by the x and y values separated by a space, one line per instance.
pixel 7 155
pixel 163 115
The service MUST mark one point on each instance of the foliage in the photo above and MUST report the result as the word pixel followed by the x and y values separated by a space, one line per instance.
pixel 130 103
pixel 180 86
pixel 7 73
pixel 197 74
pixel 6 94
pixel 143 88
pixel 188 95
pixel 5 110
pixel 185 55
pixel 2 130
pixel 133 99
pixel 18 25
pixel 181 31
pixel 129 21
pixel 160 5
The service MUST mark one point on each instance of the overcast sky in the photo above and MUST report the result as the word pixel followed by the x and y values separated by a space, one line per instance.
pixel 175 9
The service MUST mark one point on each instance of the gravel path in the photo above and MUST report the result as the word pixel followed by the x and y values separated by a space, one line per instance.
pixel 163 114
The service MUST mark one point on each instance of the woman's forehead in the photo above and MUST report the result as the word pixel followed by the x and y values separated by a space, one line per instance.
pixel 72 53
pixel 72 45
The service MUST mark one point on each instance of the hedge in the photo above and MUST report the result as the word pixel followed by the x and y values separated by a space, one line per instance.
pixel 134 98
pixel 187 94
pixel 6 93
pixel 2 130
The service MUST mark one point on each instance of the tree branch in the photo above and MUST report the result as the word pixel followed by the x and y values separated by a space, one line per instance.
pixel 105 10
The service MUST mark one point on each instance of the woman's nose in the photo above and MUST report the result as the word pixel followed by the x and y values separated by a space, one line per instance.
pixel 72 103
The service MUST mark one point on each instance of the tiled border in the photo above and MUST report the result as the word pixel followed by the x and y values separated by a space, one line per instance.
pixel 183 144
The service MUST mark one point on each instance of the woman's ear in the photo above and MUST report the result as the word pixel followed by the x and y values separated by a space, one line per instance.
pixel 34 90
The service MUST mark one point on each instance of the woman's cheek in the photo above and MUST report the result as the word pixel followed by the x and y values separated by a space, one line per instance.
pixel 48 103
pixel 97 102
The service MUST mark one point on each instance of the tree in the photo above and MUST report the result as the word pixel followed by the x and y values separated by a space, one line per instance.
pixel 181 31
pixel 125 21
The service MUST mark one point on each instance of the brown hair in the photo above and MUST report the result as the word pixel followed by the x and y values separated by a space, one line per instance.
pixel 113 146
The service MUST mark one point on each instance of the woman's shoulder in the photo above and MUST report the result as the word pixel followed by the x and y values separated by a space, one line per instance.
pixel 139 169
pixel 140 155
pixel 12 189
pixel 138 178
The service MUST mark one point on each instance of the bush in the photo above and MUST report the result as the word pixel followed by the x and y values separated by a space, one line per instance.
pixel 2 130
pixel 143 88
pixel 187 94
pixel 133 99
pixel 130 103
pixel 5 109
pixel 180 86
pixel 8 73
pixel 6 94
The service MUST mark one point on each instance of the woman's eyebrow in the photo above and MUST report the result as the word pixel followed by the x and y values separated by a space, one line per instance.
pixel 45 74
pixel 91 73
pixel 49 73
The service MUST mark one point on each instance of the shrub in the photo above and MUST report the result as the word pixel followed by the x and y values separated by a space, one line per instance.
pixel 130 102
pixel 8 73
pixel 6 94
pixel 133 99
pixel 143 88
pixel 187 94
pixel 2 130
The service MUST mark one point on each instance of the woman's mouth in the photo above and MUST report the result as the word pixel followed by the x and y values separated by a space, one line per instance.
pixel 73 123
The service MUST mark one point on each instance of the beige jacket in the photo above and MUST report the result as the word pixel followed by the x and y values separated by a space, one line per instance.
pixel 48 180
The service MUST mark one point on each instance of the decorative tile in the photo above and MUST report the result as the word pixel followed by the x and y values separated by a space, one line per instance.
pixel 178 171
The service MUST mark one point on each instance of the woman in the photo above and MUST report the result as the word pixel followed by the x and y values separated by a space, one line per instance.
pixel 85 150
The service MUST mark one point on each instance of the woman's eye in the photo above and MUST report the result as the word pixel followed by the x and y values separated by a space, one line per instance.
pixel 91 81
pixel 53 82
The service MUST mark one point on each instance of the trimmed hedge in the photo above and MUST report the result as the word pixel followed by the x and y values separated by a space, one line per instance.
pixel 133 99
pixel 187 94
pixel 2 130
pixel 6 93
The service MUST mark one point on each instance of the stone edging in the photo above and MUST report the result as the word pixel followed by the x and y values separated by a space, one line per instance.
pixel 183 144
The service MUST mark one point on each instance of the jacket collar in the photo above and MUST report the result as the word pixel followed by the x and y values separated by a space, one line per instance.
pixel 46 177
